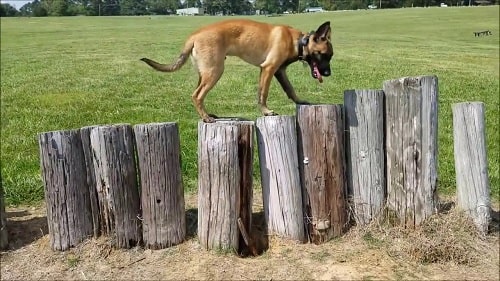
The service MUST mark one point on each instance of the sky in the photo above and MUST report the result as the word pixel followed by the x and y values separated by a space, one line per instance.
pixel 15 3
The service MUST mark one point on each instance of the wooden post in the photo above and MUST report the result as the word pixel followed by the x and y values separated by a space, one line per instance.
pixel 115 172
pixel 66 191
pixel 91 180
pixel 162 194
pixel 471 163
pixel 322 167
pixel 411 147
pixel 364 119
pixel 279 168
pixel 4 239
pixel 224 183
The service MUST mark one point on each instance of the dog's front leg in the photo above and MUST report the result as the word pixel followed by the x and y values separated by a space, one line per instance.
pixel 266 74
pixel 287 86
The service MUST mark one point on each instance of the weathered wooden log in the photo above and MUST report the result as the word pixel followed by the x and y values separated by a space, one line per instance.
pixel 279 168
pixel 320 135
pixel 473 190
pixel 364 119
pixel 411 118
pixel 63 170
pixel 224 183
pixel 4 236
pixel 91 180
pixel 162 193
pixel 116 177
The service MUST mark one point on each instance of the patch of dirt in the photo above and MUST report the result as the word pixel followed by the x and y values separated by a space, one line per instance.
pixel 367 253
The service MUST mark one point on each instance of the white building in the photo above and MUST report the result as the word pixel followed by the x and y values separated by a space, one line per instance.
pixel 313 9
pixel 193 11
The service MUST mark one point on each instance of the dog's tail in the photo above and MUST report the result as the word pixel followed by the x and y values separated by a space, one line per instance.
pixel 181 60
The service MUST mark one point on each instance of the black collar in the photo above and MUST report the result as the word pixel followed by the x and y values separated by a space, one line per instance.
pixel 303 41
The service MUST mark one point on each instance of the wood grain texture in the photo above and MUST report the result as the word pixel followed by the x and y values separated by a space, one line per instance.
pixel 218 186
pixel 64 176
pixel 365 150
pixel 411 147
pixel 245 162
pixel 4 235
pixel 281 189
pixel 91 180
pixel 162 193
pixel 473 190
pixel 320 131
pixel 116 178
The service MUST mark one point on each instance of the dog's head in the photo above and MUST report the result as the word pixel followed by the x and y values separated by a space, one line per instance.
pixel 320 51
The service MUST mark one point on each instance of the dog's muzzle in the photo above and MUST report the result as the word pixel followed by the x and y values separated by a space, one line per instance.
pixel 318 70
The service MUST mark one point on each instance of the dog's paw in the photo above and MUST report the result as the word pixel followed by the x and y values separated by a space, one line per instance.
pixel 303 102
pixel 270 113
pixel 209 120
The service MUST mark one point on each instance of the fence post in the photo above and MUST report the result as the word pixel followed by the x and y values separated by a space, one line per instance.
pixel 162 194
pixel 471 163
pixel 281 189
pixel 115 172
pixel 4 236
pixel 364 119
pixel 320 131
pixel 411 147
pixel 224 183
pixel 91 180
pixel 66 191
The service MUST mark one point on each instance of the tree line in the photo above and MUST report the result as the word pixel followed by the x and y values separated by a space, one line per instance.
pixel 42 8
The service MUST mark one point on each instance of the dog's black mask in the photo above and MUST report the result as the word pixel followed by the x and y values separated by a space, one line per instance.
pixel 320 52
pixel 319 64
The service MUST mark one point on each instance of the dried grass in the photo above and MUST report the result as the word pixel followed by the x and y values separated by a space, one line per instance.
pixel 447 237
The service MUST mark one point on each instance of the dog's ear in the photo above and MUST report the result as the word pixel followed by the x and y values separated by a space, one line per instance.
pixel 323 32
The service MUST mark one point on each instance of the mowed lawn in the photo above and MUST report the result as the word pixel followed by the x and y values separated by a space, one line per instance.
pixel 66 73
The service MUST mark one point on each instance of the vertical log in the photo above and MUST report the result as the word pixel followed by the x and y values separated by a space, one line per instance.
pixel 66 191
pixel 281 189
pixel 471 163
pixel 4 239
pixel 162 194
pixel 322 167
pixel 218 186
pixel 245 164
pixel 364 119
pixel 411 147
pixel 91 180
pixel 115 173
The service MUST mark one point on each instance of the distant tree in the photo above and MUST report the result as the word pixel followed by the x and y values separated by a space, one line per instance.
pixel 109 7
pixel 132 7
pixel 6 10
pixel 35 9
pixel 161 7
pixel 56 7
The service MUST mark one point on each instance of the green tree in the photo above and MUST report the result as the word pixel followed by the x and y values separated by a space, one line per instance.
pixel 6 10
pixel 55 7
pixel 161 7
pixel 132 7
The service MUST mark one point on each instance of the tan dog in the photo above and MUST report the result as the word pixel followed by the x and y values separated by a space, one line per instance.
pixel 270 47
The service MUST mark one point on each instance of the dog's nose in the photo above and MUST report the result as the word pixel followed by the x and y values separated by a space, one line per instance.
pixel 326 72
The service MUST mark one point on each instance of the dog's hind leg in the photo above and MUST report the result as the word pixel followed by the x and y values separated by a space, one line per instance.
pixel 287 86
pixel 206 82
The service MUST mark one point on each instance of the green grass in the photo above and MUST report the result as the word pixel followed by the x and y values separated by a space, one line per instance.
pixel 64 73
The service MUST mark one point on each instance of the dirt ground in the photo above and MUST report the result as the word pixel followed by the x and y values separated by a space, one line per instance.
pixel 358 255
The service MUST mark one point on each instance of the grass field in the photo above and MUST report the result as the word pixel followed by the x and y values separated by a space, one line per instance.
pixel 64 73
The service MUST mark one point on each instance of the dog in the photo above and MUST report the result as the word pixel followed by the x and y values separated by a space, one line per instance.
pixel 270 47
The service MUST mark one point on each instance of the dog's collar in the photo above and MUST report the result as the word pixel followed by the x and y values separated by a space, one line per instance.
pixel 303 41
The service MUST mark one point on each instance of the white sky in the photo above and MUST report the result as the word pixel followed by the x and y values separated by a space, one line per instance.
pixel 15 3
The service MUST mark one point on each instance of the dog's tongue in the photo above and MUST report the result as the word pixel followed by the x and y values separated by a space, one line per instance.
pixel 318 75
